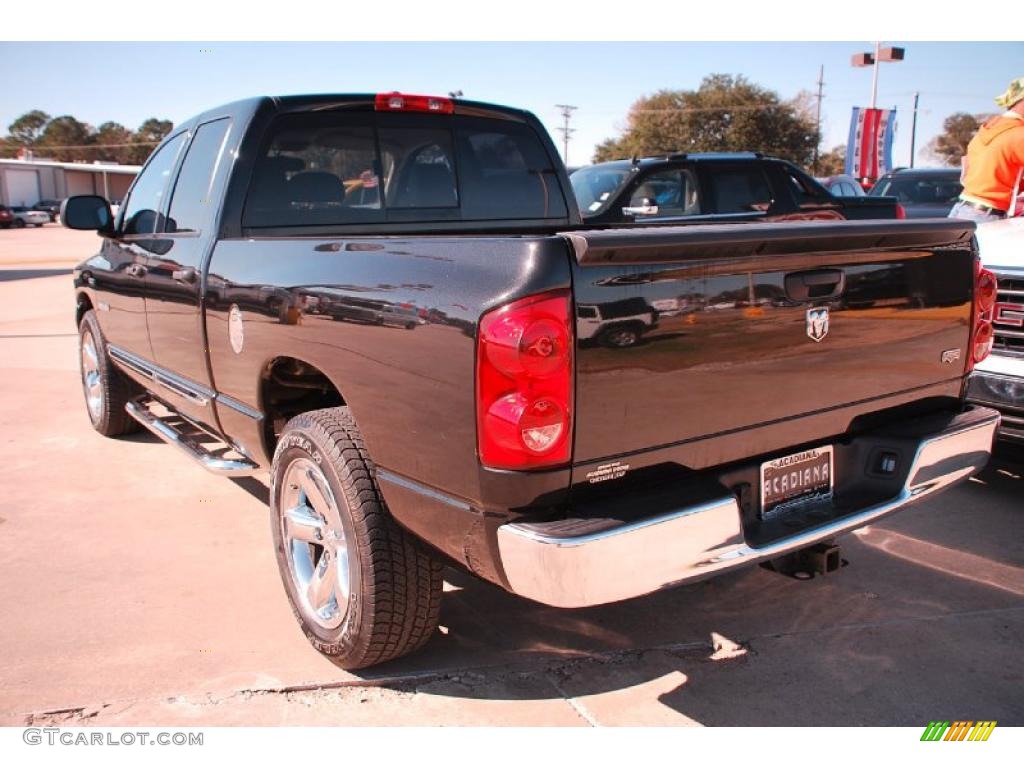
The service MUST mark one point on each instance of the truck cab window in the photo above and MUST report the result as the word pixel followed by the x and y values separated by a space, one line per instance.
pixel 741 190
pixel 418 168
pixel 142 211
pixel 674 192
pixel 315 170
pixel 192 205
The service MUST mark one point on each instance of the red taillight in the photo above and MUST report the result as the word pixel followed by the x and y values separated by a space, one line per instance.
pixel 982 333
pixel 985 289
pixel 524 383
pixel 404 102
pixel 901 212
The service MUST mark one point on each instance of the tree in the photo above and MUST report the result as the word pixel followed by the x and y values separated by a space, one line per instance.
pixel 108 137
pixel 957 131
pixel 725 114
pixel 68 139
pixel 27 129
pixel 150 134
pixel 65 138
pixel 833 162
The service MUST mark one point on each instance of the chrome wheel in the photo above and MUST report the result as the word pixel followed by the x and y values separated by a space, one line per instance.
pixel 314 544
pixel 91 376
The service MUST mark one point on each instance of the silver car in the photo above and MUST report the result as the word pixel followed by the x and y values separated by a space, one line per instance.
pixel 24 217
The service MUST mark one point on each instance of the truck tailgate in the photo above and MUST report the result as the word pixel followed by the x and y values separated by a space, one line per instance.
pixel 756 338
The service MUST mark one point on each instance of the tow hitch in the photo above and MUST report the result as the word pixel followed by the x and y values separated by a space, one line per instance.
pixel 821 558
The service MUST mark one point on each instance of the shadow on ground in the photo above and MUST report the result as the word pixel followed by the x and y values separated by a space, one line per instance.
pixel 907 638
pixel 7 275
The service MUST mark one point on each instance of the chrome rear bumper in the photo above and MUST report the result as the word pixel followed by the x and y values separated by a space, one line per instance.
pixel 548 563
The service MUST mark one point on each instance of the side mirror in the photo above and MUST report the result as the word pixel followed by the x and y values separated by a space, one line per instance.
pixel 87 212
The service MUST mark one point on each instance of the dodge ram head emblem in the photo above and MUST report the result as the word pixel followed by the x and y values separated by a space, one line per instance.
pixel 817 323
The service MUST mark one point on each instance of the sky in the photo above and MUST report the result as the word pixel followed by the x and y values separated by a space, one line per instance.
pixel 130 82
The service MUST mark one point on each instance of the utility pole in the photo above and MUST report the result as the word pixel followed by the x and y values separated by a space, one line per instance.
pixel 913 129
pixel 817 119
pixel 565 130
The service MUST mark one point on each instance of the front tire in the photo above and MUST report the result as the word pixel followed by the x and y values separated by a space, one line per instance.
pixel 106 389
pixel 363 590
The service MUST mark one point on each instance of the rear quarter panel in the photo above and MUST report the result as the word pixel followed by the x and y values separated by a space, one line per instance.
pixel 410 389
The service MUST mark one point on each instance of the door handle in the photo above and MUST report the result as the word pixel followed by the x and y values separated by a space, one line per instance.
pixel 815 284
pixel 648 209
pixel 185 275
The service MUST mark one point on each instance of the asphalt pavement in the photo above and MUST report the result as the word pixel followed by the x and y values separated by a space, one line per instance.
pixel 138 589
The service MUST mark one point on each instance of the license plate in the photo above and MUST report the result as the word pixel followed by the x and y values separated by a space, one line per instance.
pixel 795 480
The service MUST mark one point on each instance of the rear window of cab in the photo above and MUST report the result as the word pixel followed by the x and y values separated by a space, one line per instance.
pixel 338 168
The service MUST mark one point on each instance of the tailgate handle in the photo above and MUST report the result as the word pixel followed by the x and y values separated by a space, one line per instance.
pixel 815 284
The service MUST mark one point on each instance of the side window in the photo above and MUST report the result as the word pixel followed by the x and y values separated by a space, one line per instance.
pixel 803 189
pixel 419 171
pixel 740 190
pixel 147 196
pixel 674 192
pixel 192 204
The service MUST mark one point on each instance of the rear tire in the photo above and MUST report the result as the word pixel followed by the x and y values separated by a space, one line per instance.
pixel 620 336
pixel 363 590
pixel 19 223
pixel 106 389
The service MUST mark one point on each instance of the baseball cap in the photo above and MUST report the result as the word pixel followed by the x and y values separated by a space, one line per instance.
pixel 1012 95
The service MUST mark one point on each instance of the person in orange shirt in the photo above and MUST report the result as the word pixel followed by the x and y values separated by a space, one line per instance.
pixel 993 167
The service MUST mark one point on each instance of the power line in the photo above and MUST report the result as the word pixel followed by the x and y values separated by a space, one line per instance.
pixel 565 130
pixel 87 146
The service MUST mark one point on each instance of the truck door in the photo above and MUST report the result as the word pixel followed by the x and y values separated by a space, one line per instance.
pixel 117 274
pixel 174 275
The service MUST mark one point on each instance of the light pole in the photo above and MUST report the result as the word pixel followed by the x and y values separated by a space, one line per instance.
pixel 872 60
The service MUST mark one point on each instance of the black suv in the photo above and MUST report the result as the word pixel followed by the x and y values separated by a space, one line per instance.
pixel 735 186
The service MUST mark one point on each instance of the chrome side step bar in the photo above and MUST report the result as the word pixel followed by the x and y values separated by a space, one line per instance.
pixel 190 442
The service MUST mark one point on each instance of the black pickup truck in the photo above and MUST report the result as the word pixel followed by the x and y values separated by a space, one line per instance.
pixel 766 415
pixel 714 187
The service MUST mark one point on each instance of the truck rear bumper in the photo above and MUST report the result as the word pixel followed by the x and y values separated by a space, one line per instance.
pixel 576 563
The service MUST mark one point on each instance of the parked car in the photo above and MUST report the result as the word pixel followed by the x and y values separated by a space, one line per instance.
pixel 923 192
pixel 616 324
pixel 998 381
pixel 51 207
pixel 492 438
pixel 842 185
pixel 712 187
pixel 6 217
pixel 24 216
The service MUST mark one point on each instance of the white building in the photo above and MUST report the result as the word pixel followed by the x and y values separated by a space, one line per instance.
pixel 26 182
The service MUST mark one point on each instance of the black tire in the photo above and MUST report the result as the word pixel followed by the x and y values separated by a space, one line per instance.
pixel 19 223
pixel 112 387
pixel 620 336
pixel 394 584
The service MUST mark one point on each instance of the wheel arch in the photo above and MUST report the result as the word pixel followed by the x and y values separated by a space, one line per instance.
pixel 82 305
pixel 290 385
